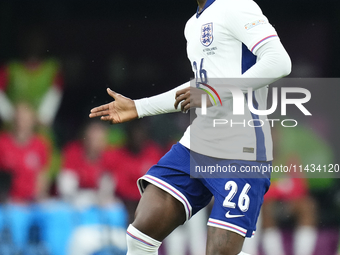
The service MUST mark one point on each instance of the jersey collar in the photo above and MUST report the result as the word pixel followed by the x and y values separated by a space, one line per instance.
pixel 207 4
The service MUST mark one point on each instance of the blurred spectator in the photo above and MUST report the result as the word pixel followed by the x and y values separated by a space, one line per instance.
pixel 85 182
pixel 35 246
pixel 131 162
pixel 34 79
pixel 5 185
pixel 25 155
pixel 7 246
pixel 291 194
pixel 83 172
pixel 295 200
pixel 99 239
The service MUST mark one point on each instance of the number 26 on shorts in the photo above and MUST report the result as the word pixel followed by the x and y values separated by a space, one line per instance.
pixel 243 200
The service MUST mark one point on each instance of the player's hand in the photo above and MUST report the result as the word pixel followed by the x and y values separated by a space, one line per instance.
pixel 121 110
pixel 190 98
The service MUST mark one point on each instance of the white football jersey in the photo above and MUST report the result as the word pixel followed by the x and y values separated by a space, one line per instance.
pixel 222 41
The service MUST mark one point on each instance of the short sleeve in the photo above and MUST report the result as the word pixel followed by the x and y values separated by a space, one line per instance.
pixel 246 23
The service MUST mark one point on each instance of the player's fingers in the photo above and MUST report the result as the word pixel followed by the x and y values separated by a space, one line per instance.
pixel 100 108
pixel 106 118
pixel 187 108
pixel 185 95
pixel 95 114
pixel 185 103
pixel 110 119
pixel 112 93
pixel 180 92
pixel 179 99
pixel 176 103
pixel 101 113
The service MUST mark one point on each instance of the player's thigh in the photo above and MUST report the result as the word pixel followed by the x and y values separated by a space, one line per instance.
pixel 223 242
pixel 158 213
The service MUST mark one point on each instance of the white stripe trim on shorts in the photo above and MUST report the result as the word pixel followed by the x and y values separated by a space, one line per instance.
pixel 169 189
pixel 227 226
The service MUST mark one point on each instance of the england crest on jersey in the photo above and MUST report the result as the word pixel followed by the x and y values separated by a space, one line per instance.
pixel 207 36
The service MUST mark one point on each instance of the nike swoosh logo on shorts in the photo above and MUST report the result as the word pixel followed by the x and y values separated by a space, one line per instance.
pixel 232 216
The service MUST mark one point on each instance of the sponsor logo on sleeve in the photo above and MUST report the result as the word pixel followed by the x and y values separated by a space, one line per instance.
pixel 255 24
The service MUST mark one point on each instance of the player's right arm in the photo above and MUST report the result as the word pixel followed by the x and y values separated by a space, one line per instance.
pixel 124 109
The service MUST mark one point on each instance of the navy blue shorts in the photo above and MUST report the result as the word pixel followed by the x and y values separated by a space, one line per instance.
pixel 237 200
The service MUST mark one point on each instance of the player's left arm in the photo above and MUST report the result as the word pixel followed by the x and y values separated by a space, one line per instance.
pixel 248 25
pixel 273 62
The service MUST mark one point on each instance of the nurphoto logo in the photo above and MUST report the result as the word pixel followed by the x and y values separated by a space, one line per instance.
pixel 238 103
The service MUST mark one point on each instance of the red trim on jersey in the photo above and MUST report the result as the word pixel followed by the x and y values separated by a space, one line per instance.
pixel 262 41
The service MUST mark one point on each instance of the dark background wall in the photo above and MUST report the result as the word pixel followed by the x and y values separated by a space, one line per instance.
pixel 138 47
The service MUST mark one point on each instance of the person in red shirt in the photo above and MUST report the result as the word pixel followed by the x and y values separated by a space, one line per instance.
pixel 291 196
pixel 131 162
pixel 84 165
pixel 25 155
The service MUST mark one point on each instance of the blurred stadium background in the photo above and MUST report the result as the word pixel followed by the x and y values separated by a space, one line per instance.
pixel 138 49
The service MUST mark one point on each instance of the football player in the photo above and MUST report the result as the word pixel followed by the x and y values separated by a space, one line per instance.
pixel 225 39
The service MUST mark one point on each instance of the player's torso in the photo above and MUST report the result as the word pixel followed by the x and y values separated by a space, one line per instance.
pixel 211 48
pixel 214 52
